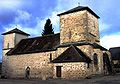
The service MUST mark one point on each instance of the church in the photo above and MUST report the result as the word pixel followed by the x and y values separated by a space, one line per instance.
pixel 73 53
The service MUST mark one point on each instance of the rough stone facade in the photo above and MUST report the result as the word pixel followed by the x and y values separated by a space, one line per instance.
pixel 19 37
pixel 39 64
pixel 73 70
pixel 80 26
pixel 8 41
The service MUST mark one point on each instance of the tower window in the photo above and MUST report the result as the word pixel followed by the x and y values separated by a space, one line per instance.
pixel 8 45
pixel 50 56
pixel 69 34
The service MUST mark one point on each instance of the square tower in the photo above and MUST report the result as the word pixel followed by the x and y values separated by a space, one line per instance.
pixel 12 37
pixel 79 24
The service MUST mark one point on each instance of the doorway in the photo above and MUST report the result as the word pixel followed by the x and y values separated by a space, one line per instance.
pixel 95 61
pixel 58 71
pixel 106 63
pixel 27 73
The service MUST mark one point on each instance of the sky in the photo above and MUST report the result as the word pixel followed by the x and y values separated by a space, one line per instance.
pixel 30 16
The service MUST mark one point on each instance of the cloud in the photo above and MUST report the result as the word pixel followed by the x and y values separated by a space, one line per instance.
pixel 112 40
pixel 61 7
pixel 9 4
pixel 8 10
pixel 33 31
pixel 22 16
pixel 25 18
pixel 104 26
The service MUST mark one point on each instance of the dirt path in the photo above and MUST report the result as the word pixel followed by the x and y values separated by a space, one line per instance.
pixel 95 80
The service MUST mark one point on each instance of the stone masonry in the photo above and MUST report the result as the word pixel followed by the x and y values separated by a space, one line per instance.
pixel 79 26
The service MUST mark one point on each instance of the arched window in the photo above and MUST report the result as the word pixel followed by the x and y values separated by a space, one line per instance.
pixel 107 64
pixel 95 59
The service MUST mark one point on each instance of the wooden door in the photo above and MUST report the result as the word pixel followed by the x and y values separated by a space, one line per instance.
pixel 58 71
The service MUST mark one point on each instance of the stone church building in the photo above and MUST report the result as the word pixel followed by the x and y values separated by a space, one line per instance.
pixel 73 53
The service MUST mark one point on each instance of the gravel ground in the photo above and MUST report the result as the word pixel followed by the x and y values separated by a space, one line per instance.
pixel 94 80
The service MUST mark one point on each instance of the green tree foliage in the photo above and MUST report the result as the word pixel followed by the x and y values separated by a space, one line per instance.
pixel 48 28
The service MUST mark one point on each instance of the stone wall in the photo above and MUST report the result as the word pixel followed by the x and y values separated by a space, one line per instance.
pixel 8 41
pixel 4 62
pixel 93 28
pixel 39 64
pixel 74 70
pixel 79 26
pixel 73 27
pixel 19 37
pixel 87 49
pixel 61 50
pixel 90 51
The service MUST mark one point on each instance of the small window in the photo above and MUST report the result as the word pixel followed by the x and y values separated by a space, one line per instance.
pixel 50 56
pixel 69 34
pixel 8 45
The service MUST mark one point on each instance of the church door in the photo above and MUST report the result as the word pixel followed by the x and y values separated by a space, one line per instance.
pixel 58 71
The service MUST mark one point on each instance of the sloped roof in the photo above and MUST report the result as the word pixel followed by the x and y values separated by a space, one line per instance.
pixel 72 54
pixel 16 31
pixel 94 45
pixel 79 8
pixel 115 53
pixel 38 44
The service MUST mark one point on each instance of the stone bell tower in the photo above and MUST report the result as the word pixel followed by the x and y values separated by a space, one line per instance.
pixel 79 24
pixel 10 39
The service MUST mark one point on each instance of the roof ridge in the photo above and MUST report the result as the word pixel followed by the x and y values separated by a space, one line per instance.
pixel 79 8
pixel 43 36
pixel 80 51
pixel 16 30
pixel 76 50
pixel 71 54
pixel 26 46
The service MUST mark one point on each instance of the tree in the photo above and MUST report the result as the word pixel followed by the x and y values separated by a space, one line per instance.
pixel 48 28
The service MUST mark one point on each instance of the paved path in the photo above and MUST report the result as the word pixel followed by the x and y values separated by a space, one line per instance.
pixel 95 80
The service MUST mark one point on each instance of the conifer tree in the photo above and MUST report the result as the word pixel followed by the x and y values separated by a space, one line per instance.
pixel 48 28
